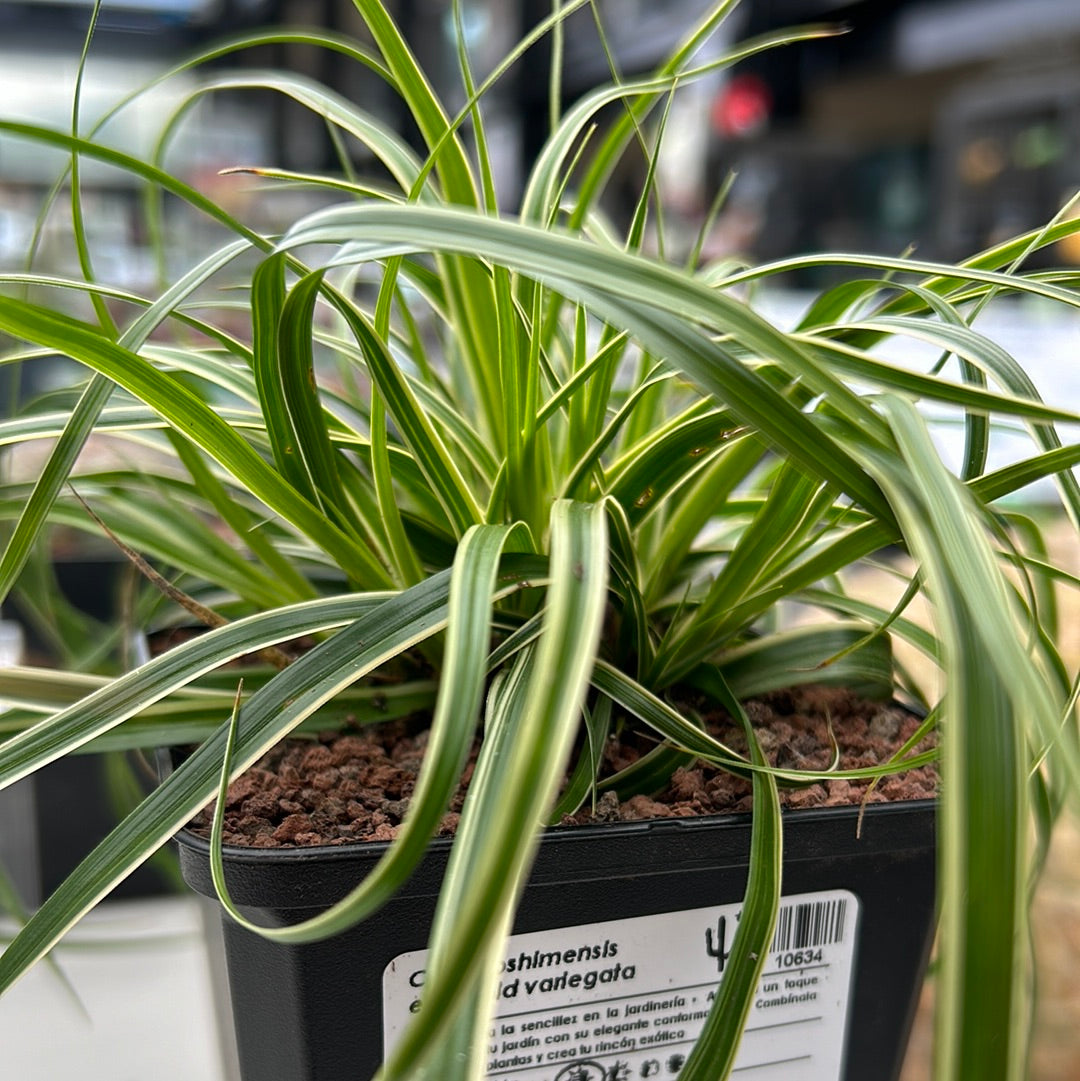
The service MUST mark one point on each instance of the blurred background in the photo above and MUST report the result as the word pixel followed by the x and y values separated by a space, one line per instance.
pixel 944 124
pixel 932 126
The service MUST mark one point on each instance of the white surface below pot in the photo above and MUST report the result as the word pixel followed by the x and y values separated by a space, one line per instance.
pixel 138 1004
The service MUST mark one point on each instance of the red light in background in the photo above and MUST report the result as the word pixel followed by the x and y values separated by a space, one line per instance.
pixel 742 108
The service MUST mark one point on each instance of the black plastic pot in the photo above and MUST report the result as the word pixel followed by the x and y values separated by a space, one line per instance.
pixel 624 930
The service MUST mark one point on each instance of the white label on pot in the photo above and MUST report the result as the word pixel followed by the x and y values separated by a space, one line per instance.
pixel 625 999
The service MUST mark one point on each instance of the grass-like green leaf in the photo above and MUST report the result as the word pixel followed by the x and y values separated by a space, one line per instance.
pixel 457 710
pixel 543 707
pixel 83 419
pixel 657 304
pixel 193 418
pixel 392 627
pixel 993 699
pixel 714 1052
pixel 417 430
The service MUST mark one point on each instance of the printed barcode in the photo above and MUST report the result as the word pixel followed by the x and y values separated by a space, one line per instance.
pixel 813 923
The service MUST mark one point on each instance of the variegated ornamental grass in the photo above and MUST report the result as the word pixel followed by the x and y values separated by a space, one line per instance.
pixel 540 478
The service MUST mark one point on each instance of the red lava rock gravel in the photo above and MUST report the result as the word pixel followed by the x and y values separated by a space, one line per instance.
pixel 350 788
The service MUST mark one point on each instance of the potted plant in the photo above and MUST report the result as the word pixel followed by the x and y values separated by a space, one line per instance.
pixel 517 474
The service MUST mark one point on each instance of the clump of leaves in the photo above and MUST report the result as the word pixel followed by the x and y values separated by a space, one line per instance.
pixel 545 477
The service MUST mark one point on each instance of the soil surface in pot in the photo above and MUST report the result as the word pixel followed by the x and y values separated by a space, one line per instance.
pixel 355 787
